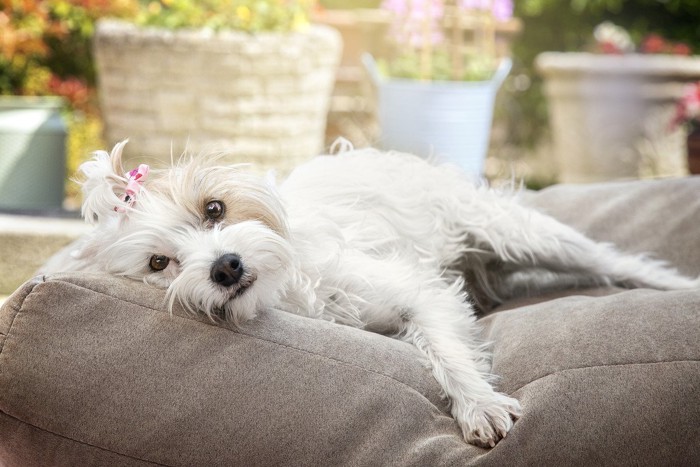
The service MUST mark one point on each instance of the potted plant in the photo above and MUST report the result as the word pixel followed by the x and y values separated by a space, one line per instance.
pixel 248 78
pixel 610 108
pixel 364 28
pixel 436 90
pixel 688 117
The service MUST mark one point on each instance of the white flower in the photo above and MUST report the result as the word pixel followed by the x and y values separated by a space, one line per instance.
pixel 614 35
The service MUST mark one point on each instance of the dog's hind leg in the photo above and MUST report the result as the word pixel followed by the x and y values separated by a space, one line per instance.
pixel 528 238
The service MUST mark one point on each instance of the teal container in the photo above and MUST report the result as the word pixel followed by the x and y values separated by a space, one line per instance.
pixel 32 153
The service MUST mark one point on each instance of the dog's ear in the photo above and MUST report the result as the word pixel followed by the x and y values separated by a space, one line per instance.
pixel 103 183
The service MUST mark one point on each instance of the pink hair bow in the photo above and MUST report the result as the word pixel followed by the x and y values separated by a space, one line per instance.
pixel 135 179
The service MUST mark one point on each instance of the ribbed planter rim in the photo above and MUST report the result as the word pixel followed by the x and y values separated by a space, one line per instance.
pixel 124 30
pixel 31 102
pixel 554 63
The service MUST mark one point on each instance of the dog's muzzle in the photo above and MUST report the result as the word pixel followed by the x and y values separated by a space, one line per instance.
pixel 227 270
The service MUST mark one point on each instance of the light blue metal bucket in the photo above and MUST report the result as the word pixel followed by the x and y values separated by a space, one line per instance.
pixel 442 120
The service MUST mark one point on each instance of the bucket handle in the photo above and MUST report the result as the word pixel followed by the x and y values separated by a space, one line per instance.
pixel 501 72
pixel 371 67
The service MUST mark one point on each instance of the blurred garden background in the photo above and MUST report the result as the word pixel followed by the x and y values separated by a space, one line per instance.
pixel 47 49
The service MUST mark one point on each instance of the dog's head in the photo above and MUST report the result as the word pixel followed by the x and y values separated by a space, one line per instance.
pixel 215 236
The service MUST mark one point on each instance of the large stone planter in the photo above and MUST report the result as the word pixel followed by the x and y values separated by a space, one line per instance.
pixel 259 98
pixel 610 115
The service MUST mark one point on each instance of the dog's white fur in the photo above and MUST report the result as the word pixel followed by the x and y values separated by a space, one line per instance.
pixel 378 241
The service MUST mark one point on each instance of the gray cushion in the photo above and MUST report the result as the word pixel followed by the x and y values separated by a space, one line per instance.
pixel 95 371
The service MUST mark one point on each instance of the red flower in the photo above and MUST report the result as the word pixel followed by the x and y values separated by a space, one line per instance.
pixel 680 49
pixel 653 44
pixel 73 89
pixel 609 48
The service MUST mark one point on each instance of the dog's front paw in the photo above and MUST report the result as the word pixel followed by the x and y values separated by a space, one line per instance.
pixel 484 422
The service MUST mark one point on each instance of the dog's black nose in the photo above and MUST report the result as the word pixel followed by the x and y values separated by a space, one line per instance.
pixel 227 270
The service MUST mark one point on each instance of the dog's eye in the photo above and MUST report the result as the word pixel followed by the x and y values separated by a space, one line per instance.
pixel 159 262
pixel 215 209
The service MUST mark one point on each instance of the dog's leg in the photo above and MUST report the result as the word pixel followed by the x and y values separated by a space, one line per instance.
pixel 420 307
pixel 440 323
pixel 528 238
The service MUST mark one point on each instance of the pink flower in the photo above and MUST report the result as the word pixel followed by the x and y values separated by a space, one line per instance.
pixel 688 107
pixel 502 10
pixel 398 7
pixel 417 21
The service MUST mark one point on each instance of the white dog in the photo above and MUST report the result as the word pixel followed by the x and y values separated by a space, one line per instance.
pixel 378 241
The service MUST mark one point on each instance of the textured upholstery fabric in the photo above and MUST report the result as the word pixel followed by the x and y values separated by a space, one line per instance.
pixel 95 371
